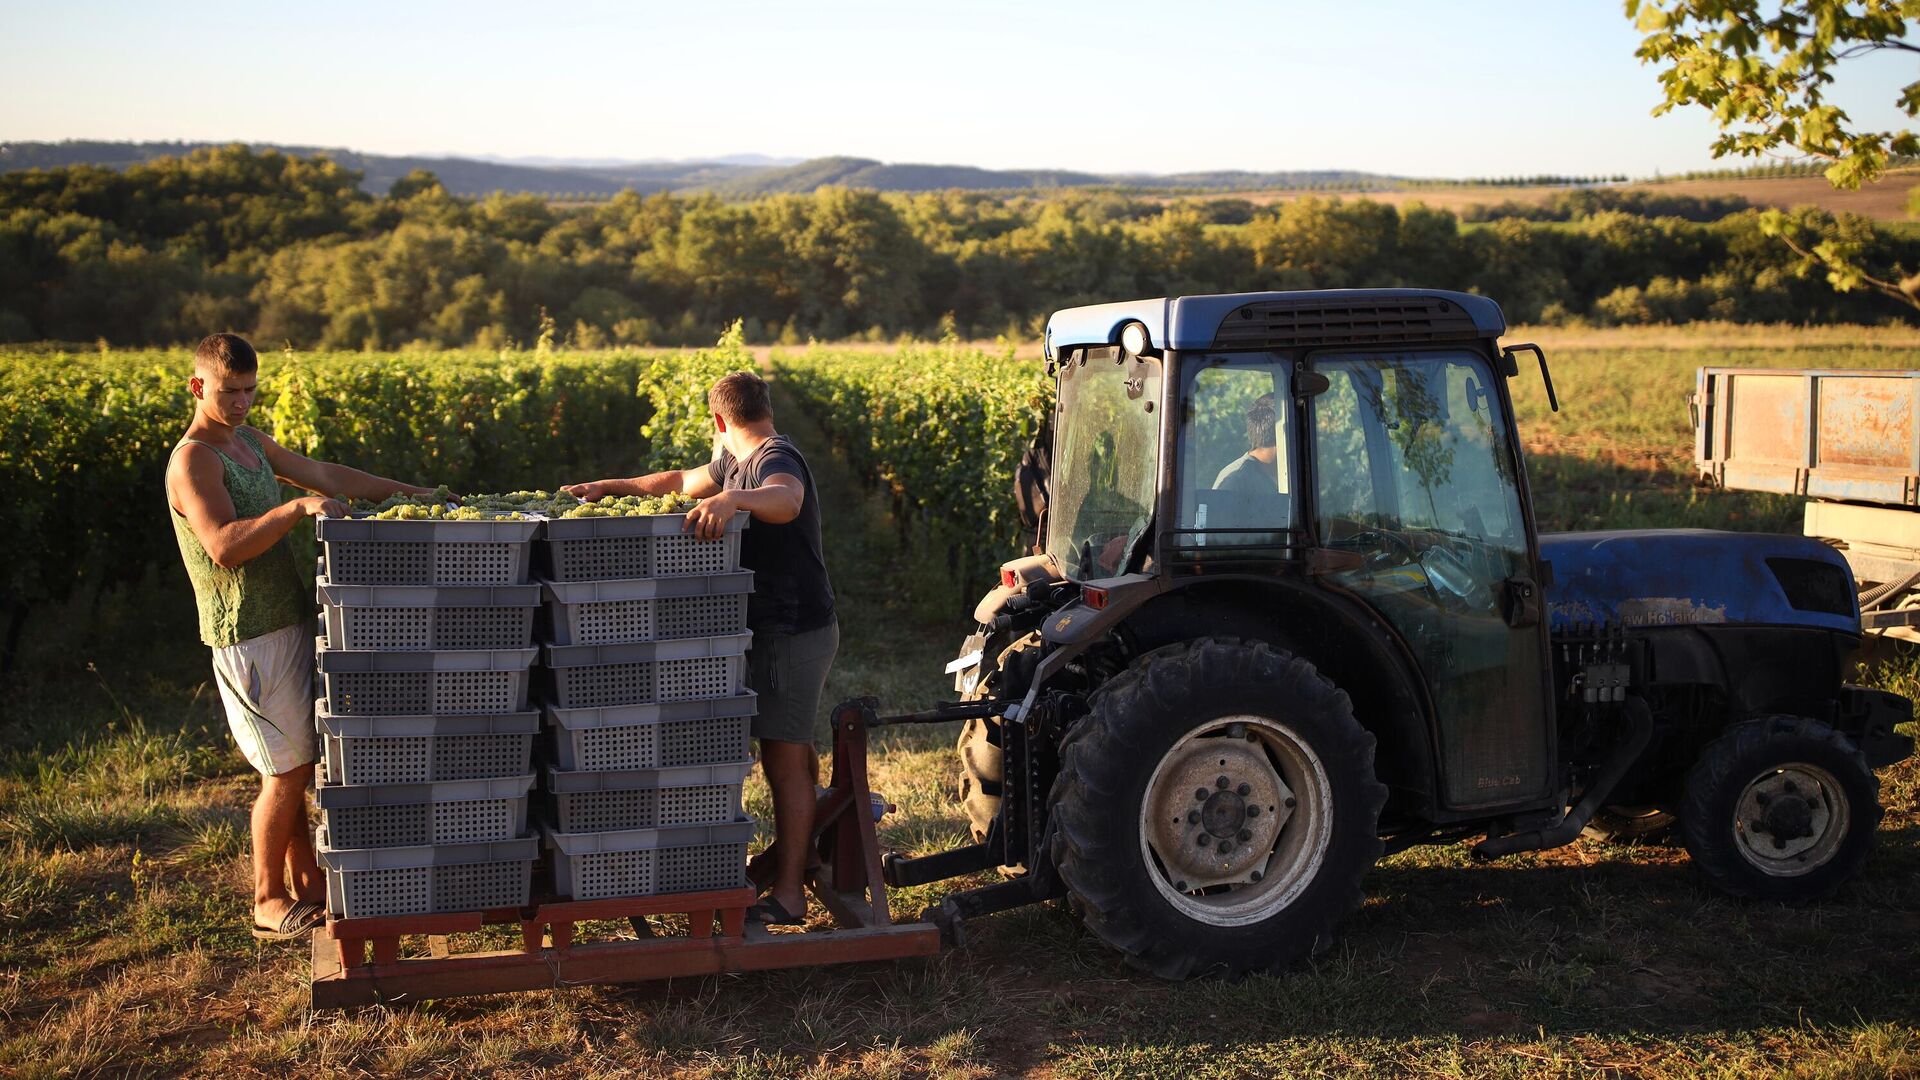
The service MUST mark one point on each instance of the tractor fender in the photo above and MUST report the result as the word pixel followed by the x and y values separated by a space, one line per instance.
pixel 1342 639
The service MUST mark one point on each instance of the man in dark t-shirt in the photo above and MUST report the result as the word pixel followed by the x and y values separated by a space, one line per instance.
pixel 790 612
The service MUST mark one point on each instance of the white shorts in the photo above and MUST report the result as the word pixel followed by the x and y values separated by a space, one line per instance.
pixel 267 684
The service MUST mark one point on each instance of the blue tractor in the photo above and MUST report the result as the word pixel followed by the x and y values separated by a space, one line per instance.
pixel 1291 611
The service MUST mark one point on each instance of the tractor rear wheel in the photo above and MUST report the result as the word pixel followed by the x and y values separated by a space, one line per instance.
pixel 1780 808
pixel 1216 811
pixel 981 754
pixel 981 773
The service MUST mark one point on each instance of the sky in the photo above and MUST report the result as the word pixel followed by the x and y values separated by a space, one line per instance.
pixel 1443 89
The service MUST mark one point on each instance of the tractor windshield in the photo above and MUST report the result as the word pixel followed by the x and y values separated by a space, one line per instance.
pixel 1105 460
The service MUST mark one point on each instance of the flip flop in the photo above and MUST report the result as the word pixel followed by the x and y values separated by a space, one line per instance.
pixel 300 918
pixel 771 912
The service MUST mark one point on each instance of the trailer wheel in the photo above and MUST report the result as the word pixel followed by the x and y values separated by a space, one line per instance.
pixel 1630 825
pixel 1781 808
pixel 1216 811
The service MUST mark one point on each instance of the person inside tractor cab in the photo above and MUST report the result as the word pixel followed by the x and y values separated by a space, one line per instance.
pixel 791 609
pixel 1256 472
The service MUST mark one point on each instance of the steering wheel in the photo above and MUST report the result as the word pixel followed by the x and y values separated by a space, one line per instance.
pixel 1391 549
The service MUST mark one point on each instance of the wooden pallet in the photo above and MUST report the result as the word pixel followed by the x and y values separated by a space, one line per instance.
pixel 847 883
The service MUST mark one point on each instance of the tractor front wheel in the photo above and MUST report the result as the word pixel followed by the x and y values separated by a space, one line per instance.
pixel 1780 808
pixel 1216 810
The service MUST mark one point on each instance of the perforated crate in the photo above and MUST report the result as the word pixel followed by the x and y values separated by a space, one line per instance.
pixel 590 676
pixel 401 815
pixel 369 551
pixel 710 731
pixel 593 549
pixel 460 682
pixel 645 798
pixel 424 749
pixel 403 618
pixel 649 862
pixel 370 882
pixel 646 609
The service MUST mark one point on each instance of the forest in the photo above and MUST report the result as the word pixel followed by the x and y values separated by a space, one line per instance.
pixel 292 251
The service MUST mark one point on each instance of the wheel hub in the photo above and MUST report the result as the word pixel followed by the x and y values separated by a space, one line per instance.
pixel 1790 820
pixel 1219 806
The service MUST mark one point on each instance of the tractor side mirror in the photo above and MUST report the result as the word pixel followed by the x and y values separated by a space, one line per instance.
pixel 1510 365
pixel 1308 383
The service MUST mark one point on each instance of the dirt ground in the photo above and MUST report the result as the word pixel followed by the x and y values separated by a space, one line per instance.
pixel 1882 201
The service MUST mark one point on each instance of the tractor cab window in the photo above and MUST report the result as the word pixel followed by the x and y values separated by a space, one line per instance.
pixel 1410 453
pixel 1106 460
pixel 1236 458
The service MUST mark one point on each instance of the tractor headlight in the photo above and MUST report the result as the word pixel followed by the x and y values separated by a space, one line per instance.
pixel 1134 339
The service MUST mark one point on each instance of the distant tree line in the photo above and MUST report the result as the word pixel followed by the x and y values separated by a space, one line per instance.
pixel 288 249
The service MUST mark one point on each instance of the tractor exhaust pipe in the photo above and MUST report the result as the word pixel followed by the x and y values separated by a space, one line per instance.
pixel 1639 733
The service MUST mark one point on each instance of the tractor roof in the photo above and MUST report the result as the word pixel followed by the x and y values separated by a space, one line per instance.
pixel 1284 319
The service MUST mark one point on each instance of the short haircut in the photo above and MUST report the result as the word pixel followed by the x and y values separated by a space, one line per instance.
pixel 225 354
pixel 1260 432
pixel 741 396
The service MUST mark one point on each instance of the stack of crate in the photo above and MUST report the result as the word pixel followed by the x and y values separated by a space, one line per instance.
pixel 426 767
pixel 645 646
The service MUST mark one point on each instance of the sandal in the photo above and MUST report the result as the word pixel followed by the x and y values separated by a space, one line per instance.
pixel 300 918
pixel 771 912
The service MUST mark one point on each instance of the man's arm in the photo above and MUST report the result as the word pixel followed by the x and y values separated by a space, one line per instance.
pixel 697 482
pixel 328 478
pixel 776 501
pixel 197 489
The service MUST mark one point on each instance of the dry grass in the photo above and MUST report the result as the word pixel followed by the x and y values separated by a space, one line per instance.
pixel 1882 201
pixel 122 865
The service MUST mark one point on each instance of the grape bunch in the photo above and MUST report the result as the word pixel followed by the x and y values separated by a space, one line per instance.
pixel 440 496
pixel 439 512
pixel 550 503
pixel 633 506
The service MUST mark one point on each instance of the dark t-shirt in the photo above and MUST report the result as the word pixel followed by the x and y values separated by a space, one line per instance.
pixel 791 594
pixel 1248 474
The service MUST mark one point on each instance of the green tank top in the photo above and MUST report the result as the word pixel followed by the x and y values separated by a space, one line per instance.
pixel 261 596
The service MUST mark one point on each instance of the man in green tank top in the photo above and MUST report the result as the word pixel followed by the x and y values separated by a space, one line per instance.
pixel 223 491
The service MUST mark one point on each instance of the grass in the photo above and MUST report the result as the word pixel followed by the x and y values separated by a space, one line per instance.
pixel 123 872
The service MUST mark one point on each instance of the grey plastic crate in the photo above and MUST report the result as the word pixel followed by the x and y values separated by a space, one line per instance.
pixel 585 802
pixel 646 609
pixel 368 551
pixel 424 749
pixel 441 683
pixel 709 731
pixel 591 676
pixel 402 618
pixel 403 815
pixel 649 862
pixel 589 549
pixel 421 880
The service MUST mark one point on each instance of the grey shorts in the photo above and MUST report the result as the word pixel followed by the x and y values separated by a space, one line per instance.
pixel 789 671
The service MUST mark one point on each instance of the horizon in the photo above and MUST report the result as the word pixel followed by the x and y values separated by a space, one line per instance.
pixel 1000 91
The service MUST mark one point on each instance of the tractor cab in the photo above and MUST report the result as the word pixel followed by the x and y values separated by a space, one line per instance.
pixel 1355 449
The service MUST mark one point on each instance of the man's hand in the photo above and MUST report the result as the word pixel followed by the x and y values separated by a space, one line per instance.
pixel 592 491
pixel 708 518
pixel 322 506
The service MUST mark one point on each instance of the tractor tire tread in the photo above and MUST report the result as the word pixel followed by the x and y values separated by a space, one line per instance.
pixel 1088 852
pixel 1701 811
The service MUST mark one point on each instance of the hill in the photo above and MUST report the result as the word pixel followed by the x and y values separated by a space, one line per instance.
pixel 738 176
